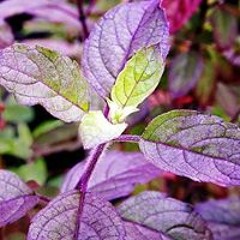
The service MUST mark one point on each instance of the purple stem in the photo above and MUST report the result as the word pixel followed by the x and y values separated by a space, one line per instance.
pixel 44 199
pixel 128 138
pixel 83 182
pixel 92 160
pixel 82 19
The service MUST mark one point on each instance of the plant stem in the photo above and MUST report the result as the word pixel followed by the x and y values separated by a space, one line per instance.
pixel 82 19
pixel 90 7
pixel 44 199
pixel 128 138
pixel 92 160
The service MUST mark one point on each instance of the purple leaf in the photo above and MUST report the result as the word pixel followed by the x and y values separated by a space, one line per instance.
pixel 138 232
pixel 16 198
pixel 121 32
pixel 184 73
pixel 58 13
pixel 61 46
pixel 38 75
pixel 160 213
pixel 233 56
pixel 115 175
pixel 226 98
pixel 6 36
pixel 13 7
pixel 199 146
pixel 74 217
pixel 225 28
pixel 51 10
pixel 223 217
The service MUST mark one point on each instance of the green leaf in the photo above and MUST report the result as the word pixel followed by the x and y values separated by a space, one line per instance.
pixel 138 79
pixel 46 127
pixel 95 129
pixel 36 171
pixel 25 135
pixel 38 75
pixel 18 113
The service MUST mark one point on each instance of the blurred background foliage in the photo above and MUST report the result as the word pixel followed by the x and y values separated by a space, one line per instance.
pixel 202 72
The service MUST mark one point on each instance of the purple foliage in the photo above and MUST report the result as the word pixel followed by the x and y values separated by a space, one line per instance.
pixel 115 175
pixel 184 142
pixel 16 198
pixel 6 36
pixel 223 217
pixel 160 213
pixel 138 232
pixel 199 146
pixel 184 73
pixel 122 31
pixel 50 10
pixel 74 216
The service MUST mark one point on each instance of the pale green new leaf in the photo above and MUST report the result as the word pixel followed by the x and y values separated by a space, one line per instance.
pixel 138 79
pixel 95 129
pixel 41 76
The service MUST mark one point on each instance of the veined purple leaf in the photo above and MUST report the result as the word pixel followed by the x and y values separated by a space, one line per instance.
pixel 115 175
pixel 41 76
pixel 199 146
pixel 176 219
pixel 6 36
pixel 71 217
pixel 184 73
pixel 138 232
pixel 61 46
pixel 121 32
pixel 16 198
pixel 223 217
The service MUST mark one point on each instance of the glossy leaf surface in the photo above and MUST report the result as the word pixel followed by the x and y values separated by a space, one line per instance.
pixel 116 174
pixel 199 146
pixel 121 32
pixel 160 213
pixel 42 76
pixel 74 218
pixel 16 198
